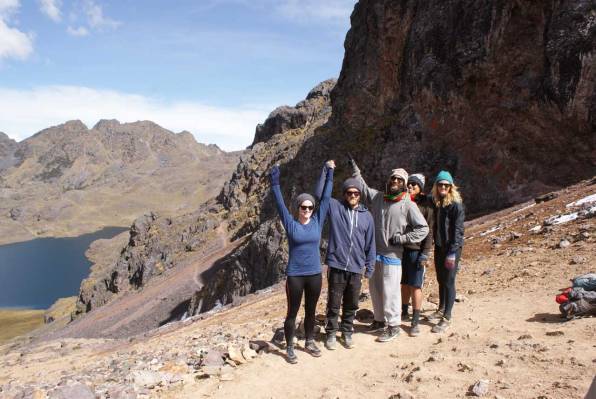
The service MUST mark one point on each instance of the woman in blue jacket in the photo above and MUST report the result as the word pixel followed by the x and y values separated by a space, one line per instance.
pixel 304 264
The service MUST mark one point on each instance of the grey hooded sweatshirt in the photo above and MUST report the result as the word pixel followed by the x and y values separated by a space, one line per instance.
pixel 401 220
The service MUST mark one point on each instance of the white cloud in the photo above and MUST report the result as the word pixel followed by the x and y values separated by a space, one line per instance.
pixel 80 31
pixel 7 7
pixel 51 8
pixel 337 11
pixel 25 112
pixel 13 43
pixel 96 18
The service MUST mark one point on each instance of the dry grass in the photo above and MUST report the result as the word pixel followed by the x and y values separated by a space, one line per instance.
pixel 17 322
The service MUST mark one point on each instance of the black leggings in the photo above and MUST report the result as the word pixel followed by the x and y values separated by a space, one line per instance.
pixel 295 285
pixel 446 280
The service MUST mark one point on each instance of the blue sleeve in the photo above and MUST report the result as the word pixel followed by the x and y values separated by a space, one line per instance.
pixel 284 214
pixel 321 183
pixel 370 247
pixel 324 207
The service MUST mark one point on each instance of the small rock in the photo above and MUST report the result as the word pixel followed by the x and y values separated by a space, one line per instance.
pixel 500 363
pixel 460 298
pixel 213 358
pixel 74 391
pixel 480 388
pixel 555 333
pixel 436 357
pixel 226 377
pixel 121 392
pixel 564 243
pixel 546 197
pixel 248 353
pixel 514 235
pixel 524 336
pixel 403 395
pixel 235 354
pixel 488 272
pixel 578 260
pixel 463 367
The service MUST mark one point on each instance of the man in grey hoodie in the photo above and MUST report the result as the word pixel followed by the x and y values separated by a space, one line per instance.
pixel 398 222
pixel 350 254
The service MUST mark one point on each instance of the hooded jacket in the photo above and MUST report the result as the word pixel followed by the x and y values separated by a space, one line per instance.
pixel 400 220
pixel 426 207
pixel 351 235
pixel 449 227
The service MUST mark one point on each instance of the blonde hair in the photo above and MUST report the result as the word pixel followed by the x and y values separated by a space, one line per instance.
pixel 452 196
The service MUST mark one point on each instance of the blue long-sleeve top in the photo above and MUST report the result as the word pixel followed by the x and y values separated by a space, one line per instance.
pixel 351 235
pixel 304 239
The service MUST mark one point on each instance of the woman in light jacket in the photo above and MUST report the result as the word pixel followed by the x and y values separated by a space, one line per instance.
pixel 449 241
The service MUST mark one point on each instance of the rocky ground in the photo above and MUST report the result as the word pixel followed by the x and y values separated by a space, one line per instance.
pixel 507 337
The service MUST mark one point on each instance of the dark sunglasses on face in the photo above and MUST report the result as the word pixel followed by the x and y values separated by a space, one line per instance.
pixel 410 183
pixel 353 193
pixel 444 185
pixel 307 207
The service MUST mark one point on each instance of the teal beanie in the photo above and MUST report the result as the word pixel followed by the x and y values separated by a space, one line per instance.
pixel 444 175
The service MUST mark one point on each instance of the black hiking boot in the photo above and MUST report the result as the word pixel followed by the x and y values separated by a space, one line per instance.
pixel 347 340
pixel 291 356
pixel 376 326
pixel 312 348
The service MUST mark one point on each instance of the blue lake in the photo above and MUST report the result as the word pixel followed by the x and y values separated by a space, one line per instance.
pixel 33 274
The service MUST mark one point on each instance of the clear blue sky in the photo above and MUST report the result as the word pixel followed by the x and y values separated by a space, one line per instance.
pixel 213 67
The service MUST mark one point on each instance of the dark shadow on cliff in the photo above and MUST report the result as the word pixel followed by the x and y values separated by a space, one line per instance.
pixel 176 313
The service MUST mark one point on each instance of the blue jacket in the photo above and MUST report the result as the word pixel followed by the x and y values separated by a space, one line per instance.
pixel 351 235
pixel 304 239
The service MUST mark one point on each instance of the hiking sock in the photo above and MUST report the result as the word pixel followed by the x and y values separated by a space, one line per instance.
pixel 415 316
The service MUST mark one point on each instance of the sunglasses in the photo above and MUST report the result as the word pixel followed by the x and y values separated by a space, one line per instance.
pixel 307 207
pixel 412 184
pixel 395 178
pixel 353 193
pixel 443 185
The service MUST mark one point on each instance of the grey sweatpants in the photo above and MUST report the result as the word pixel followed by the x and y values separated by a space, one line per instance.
pixel 385 292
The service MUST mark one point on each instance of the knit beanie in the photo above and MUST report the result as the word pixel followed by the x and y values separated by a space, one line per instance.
pixel 304 197
pixel 351 182
pixel 444 176
pixel 401 173
pixel 419 179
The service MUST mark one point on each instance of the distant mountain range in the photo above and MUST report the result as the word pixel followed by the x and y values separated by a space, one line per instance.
pixel 68 179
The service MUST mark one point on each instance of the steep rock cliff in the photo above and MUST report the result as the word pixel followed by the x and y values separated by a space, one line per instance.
pixel 500 92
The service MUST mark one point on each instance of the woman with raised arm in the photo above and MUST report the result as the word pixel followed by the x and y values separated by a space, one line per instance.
pixel 449 241
pixel 304 265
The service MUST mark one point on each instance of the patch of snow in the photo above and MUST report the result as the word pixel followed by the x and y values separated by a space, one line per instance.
pixel 491 230
pixel 562 218
pixel 526 207
pixel 586 200
pixel 536 229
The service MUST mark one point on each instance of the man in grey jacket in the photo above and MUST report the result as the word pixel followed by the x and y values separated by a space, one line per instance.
pixel 398 221
pixel 350 254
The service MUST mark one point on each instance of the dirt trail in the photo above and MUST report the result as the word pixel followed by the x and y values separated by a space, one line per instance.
pixel 514 339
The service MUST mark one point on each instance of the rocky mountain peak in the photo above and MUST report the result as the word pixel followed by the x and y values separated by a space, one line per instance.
pixel 106 125
pixel 286 118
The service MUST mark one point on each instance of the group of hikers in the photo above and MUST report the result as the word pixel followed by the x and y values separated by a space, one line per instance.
pixel 384 235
